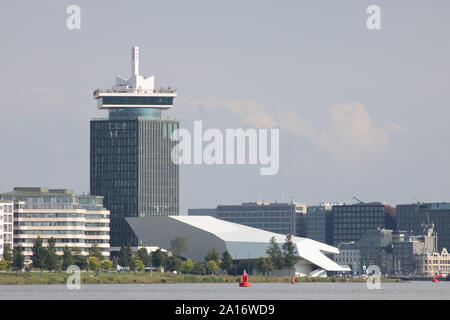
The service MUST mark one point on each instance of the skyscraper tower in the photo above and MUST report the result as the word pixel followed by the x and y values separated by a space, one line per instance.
pixel 130 153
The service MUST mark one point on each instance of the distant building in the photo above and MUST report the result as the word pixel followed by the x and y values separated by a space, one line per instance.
pixel 203 212
pixel 350 222
pixel 72 220
pixel 319 223
pixel 130 152
pixel 6 225
pixel 349 256
pixel 430 264
pixel 412 217
pixel 406 245
pixel 372 243
pixel 283 218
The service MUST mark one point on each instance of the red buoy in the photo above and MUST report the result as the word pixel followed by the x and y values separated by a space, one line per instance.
pixel 293 280
pixel 244 280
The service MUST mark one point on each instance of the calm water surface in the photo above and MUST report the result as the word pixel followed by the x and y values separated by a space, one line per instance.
pixel 258 291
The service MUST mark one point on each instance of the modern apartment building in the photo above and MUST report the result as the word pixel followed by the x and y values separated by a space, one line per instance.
pixel 6 225
pixel 130 152
pixel 350 222
pixel 72 220
pixel 413 217
pixel 274 217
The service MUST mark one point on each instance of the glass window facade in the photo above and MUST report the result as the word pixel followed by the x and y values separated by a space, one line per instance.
pixel 131 168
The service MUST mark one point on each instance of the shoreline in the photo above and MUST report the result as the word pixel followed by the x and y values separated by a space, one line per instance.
pixel 30 278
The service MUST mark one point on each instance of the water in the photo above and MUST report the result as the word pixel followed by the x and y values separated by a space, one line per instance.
pixel 231 291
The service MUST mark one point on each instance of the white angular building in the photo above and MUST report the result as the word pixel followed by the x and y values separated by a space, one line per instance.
pixel 204 233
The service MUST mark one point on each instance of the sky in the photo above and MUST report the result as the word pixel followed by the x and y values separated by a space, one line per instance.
pixel 362 113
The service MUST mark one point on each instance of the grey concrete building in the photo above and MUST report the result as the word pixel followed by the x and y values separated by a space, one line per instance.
pixel 283 218
pixel 319 222
pixel 130 152
pixel 371 244
pixel 413 217
pixel 350 222
pixel 203 212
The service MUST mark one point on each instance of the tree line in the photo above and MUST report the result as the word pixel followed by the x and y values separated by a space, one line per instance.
pixel 172 261
pixel 46 258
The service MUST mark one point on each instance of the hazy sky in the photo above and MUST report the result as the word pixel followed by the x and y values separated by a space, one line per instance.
pixel 362 113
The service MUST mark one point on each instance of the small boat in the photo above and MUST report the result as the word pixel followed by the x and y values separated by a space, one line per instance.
pixel 244 280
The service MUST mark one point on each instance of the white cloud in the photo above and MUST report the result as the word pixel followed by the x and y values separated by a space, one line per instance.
pixel 347 132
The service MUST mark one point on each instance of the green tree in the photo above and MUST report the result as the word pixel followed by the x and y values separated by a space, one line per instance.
pixel 212 255
pixel 18 258
pixel 188 266
pixel 67 258
pixel 142 254
pixel 39 254
pixel 126 257
pixel 265 265
pixel 274 251
pixel 107 265
pixel 199 268
pixel 96 251
pixel 179 245
pixel 3 264
pixel 158 258
pixel 227 262
pixel 93 264
pixel 173 263
pixel 290 252
pixel 140 266
pixel 51 258
pixel 78 258
pixel 211 266
pixel 132 259
pixel 7 254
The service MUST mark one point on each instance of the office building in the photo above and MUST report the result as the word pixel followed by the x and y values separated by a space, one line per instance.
pixel 6 225
pixel 274 217
pixel 349 256
pixel 130 153
pixel 350 222
pixel 413 217
pixel 72 220
pixel 318 223
pixel 405 245
pixel 212 212
pixel 372 243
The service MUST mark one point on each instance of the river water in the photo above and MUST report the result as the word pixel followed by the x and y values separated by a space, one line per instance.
pixel 231 291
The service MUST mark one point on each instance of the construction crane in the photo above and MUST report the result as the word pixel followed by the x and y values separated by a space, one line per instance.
pixel 359 201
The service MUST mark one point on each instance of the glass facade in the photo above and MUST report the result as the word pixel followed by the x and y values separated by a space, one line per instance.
pixel 137 100
pixel 131 167
pixel 412 217
pixel 274 217
pixel 350 222
pixel 134 113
